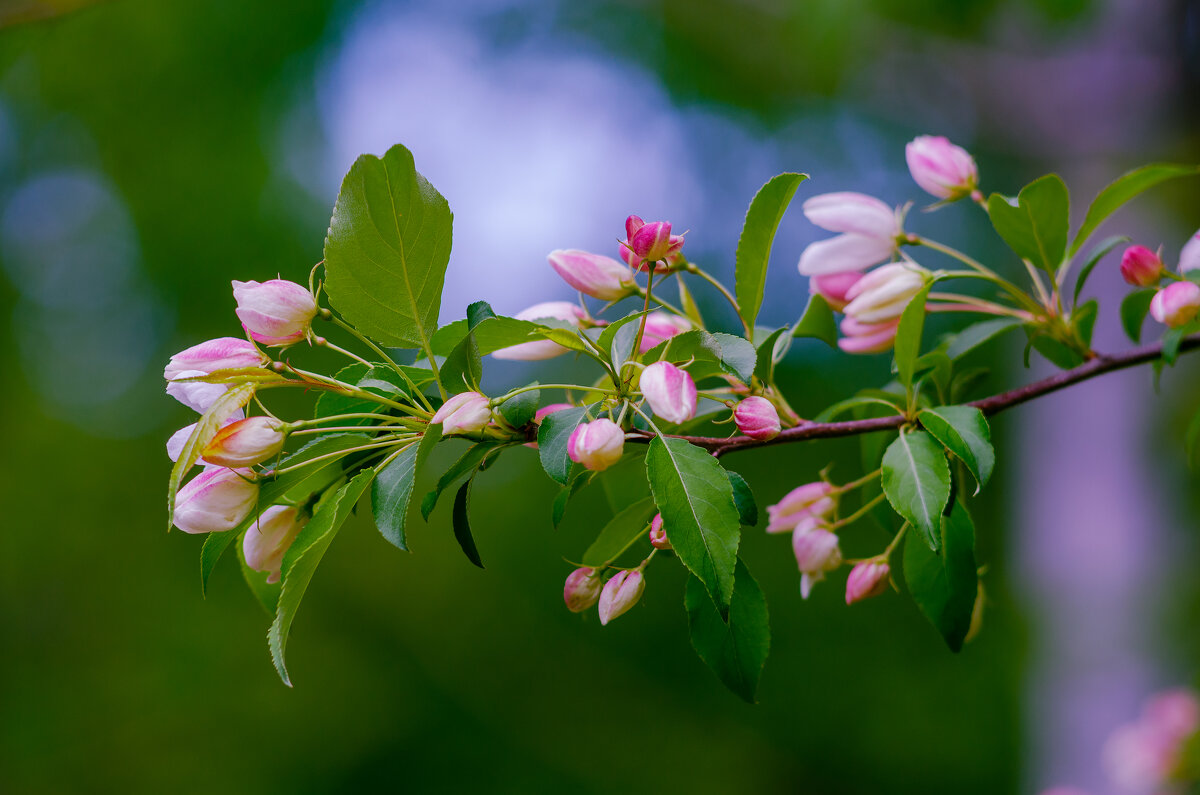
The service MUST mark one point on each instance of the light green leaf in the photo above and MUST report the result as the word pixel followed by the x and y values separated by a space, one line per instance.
pixel 758 234
pixel 817 322
pixel 908 337
pixel 711 354
pixel 737 649
pixel 978 334
pixel 620 532
pixel 391 493
pixel 964 432
pixel 206 428
pixel 916 481
pixel 617 338
pixel 1134 308
pixel 1125 188
pixel 553 435
pixel 1083 320
pixel 768 353
pixel 944 584
pixel 1037 224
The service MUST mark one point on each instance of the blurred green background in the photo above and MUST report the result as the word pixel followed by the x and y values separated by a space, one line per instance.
pixel 140 171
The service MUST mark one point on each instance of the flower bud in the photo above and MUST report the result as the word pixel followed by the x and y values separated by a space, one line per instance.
pixel 661 326
pixel 275 312
pixel 812 500
pixel 582 589
pixel 833 286
pixel 670 391
pixel 620 593
pixel 853 213
pixel 217 499
pixel 883 293
pixel 537 350
pixel 592 274
pixel 268 538
pixel 223 353
pixel 941 168
pixel 1189 257
pixel 597 444
pixel 867 337
pixel 246 442
pixel 658 536
pixel 179 438
pixel 817 552
pixel 867 579
pixel 196 395
pixel 757 418
pixel 465 412
pixel 1176 304
pixel 1141 267
pixel 653 242
pixel 846 252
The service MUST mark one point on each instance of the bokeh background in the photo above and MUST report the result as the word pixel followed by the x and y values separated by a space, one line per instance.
pixel 150 152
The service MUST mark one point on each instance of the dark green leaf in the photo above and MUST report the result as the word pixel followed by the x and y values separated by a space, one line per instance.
pixel 304 481
pixel 1134 308
pixel 462 525
pixel 1105 246
pixel 764 366
pixel 817 322
pixel 916 481
pixel 1171 340
pixel 463 366
pixel 964 432
pixel 214 547
pixel 743 499
pixel 1125 188
pixel 381 380
pixel 617 338
pixel 758 233
pixel 553 435
pixel 620 532
pixel 712 354
pixel 392 491
pixel 519 410
pixel 1056 352
pixel 464 466
pixel 1083 320
pixel 491 334
pixel 559 508
pixel 944 584
pixel 908 336
pixel 737 649
pixel 1036 225
pixel 978 334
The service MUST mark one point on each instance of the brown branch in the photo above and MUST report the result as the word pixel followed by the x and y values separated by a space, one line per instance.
pixel 1100 365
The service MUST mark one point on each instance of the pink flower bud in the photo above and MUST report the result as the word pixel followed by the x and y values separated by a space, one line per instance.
pixel 846 252
pixel 854 213
pixel 620 593
pixel 592 274
pixel 648 244
pixel 246 442
pixel 757 418
pixel 1141 267
pixel 661 326
pixel 223 353
pixel 941 168
pixel 670 391
pixel 867 579
pixel 582 589
pixel 217 499
pixel 268 538
pixel 275 312
pixel 179 438
pixel 867 337
pixel 196 395
pixel 817 552
pixel 812 500
pixel 833 287
pixel 537 350
pixel 658 536
pixel 1189 257
pixel 1176 304
pixel 465 412
pixel 883 293
pixel 597 444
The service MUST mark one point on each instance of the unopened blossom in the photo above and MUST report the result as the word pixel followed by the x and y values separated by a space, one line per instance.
pixel 1176 304
pixel 215 500
pixel 883 293
pixel 597 444
pixel 222 353
pixel 647 245
pixel 465 412
pixel 1189 257
pixel 582 589
pixel 660 327
pixel 867 579
pixel 941 168
pixel 1141 267
pixel 810 500
pixel 592 274
pixel 817 552
pixel 867 337
pixel 196 395
pixel 275 312
pixel 620 593
pixel 269 537
pixel 563 311
pixel 179 438
pixel 757 418
pixel 870 232
pixel 246 442
pixel 658 535
pixel 833 287
pixel 670 391
pixel 1141 757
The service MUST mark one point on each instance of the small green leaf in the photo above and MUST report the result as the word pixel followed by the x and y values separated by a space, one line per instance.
pixel 553 435
pixel 381 380
pixel 908 337
pixel 945 584
pixel 621 531
pixel 688 304
pixel 1134 308
pixel 758 234
pixel 710 354
pixel 1172 338
pixel 519 410
pixel 1125 188
pixel 817 322
pixel 617 338
pixel 916 481
pixel 206 428
pixel 1105 246
pixel 737 649
pixel 964 432
pixel 214 547
pixel 463 367
pixel 392 490
pixel 465 465
pixel 559 508
pixel 1054 351
pixel 1083 320
pixel 462 525
pixel 743 498
pixel 1036 225
pixel 491 334
pixel 978 334
pixel 767 354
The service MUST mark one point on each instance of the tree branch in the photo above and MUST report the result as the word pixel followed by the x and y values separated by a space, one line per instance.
pixel 1100 365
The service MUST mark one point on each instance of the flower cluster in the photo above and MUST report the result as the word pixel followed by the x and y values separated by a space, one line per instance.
pixel 1177 304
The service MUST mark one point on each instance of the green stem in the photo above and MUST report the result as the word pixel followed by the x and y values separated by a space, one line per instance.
pixel 532 387
pixel 355 391
pixel 324 343
pixel 381 352
pixel 887 553
pixel 341 453
pixel 667 305
pixel 864 480
pixel 637 339
pixel 356 415
pixel 860 513
pixel 1016 292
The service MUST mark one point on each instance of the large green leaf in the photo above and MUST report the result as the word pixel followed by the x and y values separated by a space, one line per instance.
pixel 491 334
pixel 695 497
pixel 265 593
pixel 301 560
pixel 735 649
pixel 620 532
pixel 1037 224
pixel 964 432
pixel 553 435
pixel 978 334
pixel 520 409
pixel 462 368
pixel 817 322
pixel 916 481
pixel 387 249
pixel 1134 308
pixel 391 493
pixel 758 234
pixel 944 584
pixel 908 337
pixel 709 354
pixel 1125 188
pixel 379 379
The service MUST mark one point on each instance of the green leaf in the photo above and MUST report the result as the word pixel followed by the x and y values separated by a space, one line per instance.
pixel 301 560
pixel 1125 188
pixel 1134 308
pixel 392 490
pixel 519 410
pixel 817 322
pixel 944 584
pixel 206 428
pixel 559 508
pixel 463 367
pixel 307 480
pixel 978 334
pixel 964 432
pixel 695 497
pixel 617 338
pixel 214 547
pixel 688 304
pixel 553 435
pixel 462 525
pixel 908 337
pixel 712 354
pixel 916 481
pixel 764 365
pixel 737 649
pixel 1171 340
pixel 743 499
pixel 1105 246
pixel 620 532
pixel 758 234
pixel 380 380
pixel 491 334
pixel 387 250
pixel 465 465
pixel 1056 352
pixel 1083 320
pixel 1036 226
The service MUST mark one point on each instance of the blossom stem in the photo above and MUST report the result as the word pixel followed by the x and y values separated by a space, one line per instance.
pixel 860 513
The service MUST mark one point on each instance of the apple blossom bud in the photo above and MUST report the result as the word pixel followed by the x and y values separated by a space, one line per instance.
pixel 465 412
pixel 268 538
pixel 1144 756
pixel 867 337
pixel 810 500
pixel 223 353
pixel 658 536
pixel 597 444
pixel 592 274
pixel 542 349
pixel 653 241
pixel 1189 257
pixel 854 213
pixel 670 391
pixel 867 579
pixel 196 395
pixel 179 438
pixel 846 252
pixel 817 552
pixel 941 168
pixel 757 418
pixel 1176 304
pixel 582 589
pixel 883 293
pixel 275 312
pixel 620 593
pixel 217 499
pixel 1141 267
pixel 833 286
pixel 246 442
pixel 661 326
